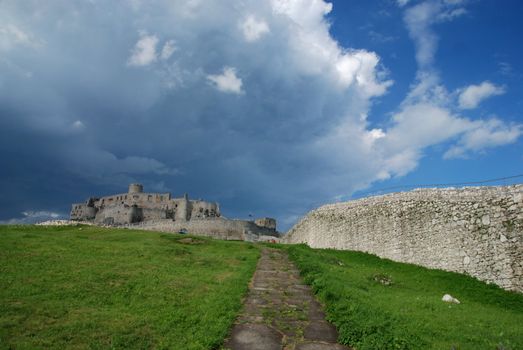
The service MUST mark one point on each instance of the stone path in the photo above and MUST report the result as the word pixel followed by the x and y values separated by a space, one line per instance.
pixel 280 311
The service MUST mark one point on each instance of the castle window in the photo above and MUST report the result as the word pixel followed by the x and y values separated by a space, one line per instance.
pixel 149 197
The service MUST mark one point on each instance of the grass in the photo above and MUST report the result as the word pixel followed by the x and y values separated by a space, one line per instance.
pixel 94 288
pixel 380 304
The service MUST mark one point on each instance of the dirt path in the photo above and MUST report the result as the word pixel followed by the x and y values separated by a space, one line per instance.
pixel 280 311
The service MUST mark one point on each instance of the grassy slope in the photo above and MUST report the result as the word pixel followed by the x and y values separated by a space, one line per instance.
pixel 88 287
pixel 409 313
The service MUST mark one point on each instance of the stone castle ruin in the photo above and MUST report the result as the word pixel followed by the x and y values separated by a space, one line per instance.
pixel 159 211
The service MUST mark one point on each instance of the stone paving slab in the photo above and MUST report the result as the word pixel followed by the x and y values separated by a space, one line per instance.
pixel 280 312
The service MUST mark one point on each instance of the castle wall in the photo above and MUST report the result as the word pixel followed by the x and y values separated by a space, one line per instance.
pixel 212 227
pixel 116 214
pixel 143 200
pixel 201 209
pixel 154 214
pixel 82 212
pixel 476 230
pixel 135 188
pixel 269 223
pixel 182 209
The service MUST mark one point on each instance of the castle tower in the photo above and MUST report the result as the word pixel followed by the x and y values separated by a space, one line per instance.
pixel 184 209
pixel 135 188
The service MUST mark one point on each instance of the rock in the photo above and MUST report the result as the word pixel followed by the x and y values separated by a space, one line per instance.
pixel 502 238
pixel 485 220
pixel 60 223
pixel 450 299
pixel 466 260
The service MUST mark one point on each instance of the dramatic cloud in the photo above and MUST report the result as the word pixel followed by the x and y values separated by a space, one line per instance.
pixel 471 96
pixel 227 81
pixel 253 104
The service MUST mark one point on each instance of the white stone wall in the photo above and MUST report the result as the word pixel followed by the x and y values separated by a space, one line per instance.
pixel 473 230
pixel 212 227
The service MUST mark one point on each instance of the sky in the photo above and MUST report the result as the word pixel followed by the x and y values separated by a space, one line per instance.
pixel 271 108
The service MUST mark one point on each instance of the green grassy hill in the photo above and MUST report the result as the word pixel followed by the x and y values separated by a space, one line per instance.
pixel 94 288
pixel 380 304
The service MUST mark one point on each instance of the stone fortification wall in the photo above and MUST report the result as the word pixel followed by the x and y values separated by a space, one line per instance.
pixel 474 230
pixel 212 227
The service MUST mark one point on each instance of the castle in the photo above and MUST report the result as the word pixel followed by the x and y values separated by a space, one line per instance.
pixel 159 211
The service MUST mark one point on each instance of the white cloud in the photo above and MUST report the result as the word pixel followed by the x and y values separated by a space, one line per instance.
pixel 317 53
pixel 505 68
pixel 168 49
pixel 451 14
pixel 379 37
pixel 426 117
pixel 419 19
pixel 144 51
pixel 34 216
pixel 376 134
pixel 416 127
pixel 423 124
pixel 402 3
pixel 253 29
pixel 471 96
pixel 227 81
pixel 12 35
pixel 483 135
pixel 307 13
pixel 359 67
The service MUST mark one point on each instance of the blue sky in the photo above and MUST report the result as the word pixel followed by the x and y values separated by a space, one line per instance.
pixel 269 107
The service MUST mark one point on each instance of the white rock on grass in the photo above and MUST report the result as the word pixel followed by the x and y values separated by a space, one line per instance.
pixel 62 223
pixel 450 299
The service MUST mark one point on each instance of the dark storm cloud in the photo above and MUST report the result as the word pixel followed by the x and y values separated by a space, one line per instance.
pixel 251 104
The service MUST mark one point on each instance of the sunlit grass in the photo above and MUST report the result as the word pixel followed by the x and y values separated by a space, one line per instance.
pixel 380 304
pixel 96 288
